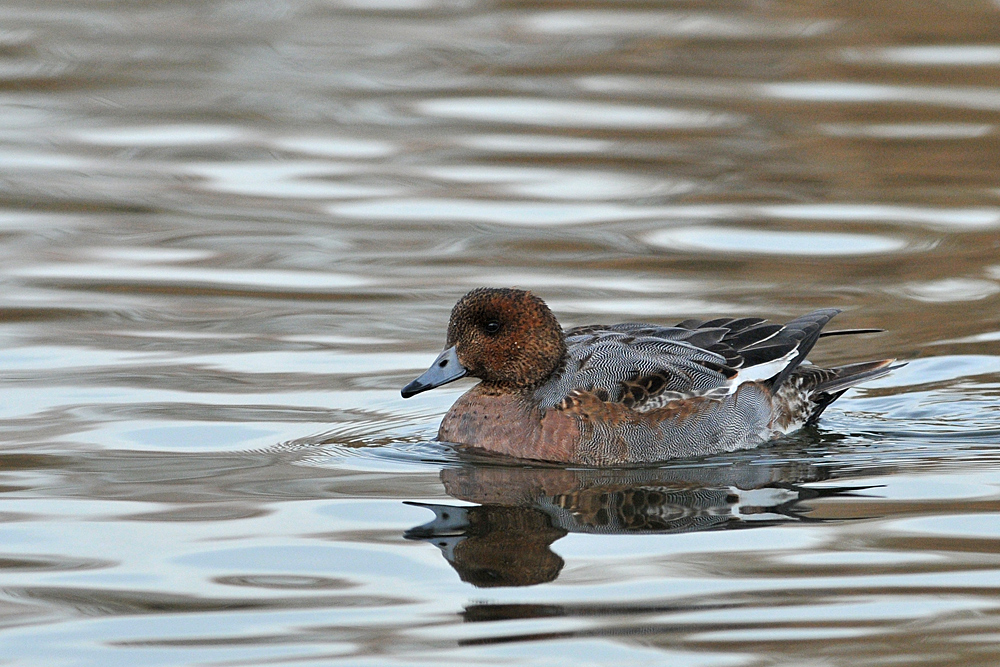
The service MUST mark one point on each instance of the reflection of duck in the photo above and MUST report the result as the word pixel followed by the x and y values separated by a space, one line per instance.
pixel 492 545
pixel 628 393
pixel 505 540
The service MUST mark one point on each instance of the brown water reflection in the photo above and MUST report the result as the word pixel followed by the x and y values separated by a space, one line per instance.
pixel 505 539
pixel 230 230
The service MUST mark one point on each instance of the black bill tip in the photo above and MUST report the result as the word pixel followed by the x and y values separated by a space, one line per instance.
pixel 446 368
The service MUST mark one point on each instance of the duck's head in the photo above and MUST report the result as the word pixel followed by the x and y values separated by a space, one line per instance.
pixel 506 337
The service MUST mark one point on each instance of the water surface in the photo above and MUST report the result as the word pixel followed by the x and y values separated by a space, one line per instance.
pixel 230 231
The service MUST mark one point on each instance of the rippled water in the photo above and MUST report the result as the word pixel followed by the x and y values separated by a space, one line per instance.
pixel 230 231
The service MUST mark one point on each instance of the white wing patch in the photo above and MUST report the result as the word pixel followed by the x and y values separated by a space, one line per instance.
pixel 761 371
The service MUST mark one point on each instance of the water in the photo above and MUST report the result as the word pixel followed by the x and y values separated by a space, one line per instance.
pixel 230 231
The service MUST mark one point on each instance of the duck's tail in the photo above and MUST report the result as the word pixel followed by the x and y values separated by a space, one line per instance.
pixel 823 386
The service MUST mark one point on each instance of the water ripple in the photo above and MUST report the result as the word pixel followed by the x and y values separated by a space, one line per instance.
pixel 948 55
pixel 249 280
pixel 715 25
pixel 773 242
pixel 564 113
pixel 162 135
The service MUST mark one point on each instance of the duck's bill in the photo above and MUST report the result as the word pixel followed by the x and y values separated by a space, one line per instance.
pixel 446 368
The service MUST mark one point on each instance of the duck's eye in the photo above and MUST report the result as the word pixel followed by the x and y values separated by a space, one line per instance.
pixel 491 327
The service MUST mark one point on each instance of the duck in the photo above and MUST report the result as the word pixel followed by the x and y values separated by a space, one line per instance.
pixel 629 393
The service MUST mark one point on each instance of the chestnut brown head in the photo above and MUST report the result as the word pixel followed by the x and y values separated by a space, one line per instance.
pixel 507 337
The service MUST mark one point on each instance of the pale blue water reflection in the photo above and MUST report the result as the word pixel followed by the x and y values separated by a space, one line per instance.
pixel 757 241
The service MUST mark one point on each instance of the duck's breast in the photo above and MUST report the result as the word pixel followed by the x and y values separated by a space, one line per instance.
pixel 511 424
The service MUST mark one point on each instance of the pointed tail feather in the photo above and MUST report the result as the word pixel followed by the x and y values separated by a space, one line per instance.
pixel 845 377
pixel 849 332
pixel 840 379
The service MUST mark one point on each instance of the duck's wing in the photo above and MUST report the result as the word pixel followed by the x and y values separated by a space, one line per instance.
pixel 645 366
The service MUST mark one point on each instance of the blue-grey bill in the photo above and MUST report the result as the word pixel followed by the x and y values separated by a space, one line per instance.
pixel 446 368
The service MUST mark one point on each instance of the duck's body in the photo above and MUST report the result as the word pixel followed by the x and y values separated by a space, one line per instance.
pixel 628 393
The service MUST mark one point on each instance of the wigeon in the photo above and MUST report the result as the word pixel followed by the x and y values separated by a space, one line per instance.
pixel 629 393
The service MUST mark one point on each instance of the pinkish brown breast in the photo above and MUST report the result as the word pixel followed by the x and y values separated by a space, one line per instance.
pixel 508 424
